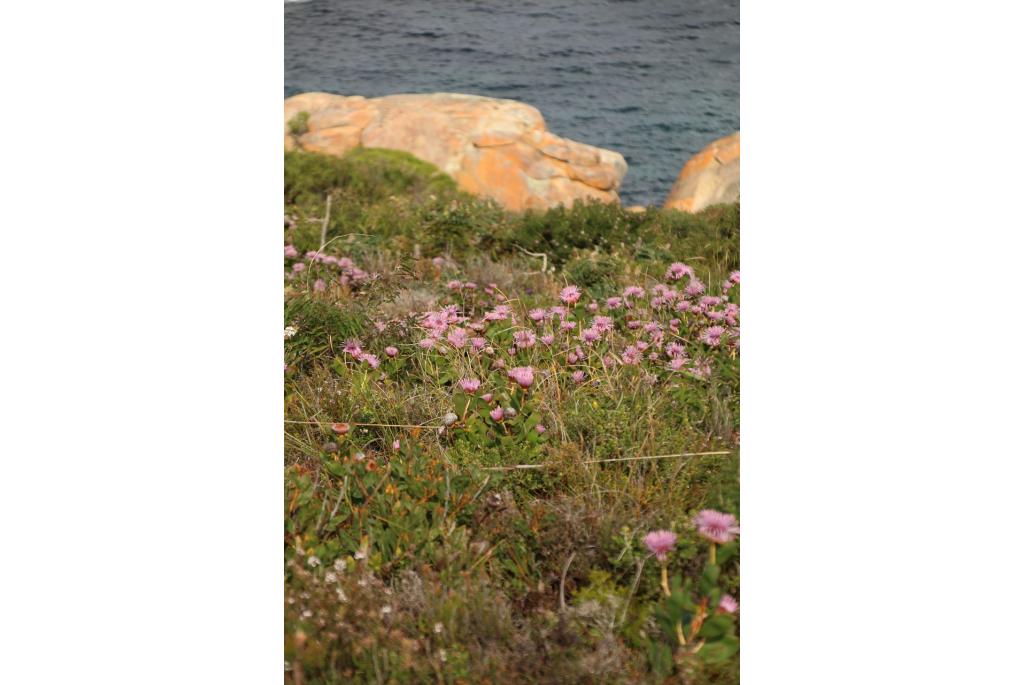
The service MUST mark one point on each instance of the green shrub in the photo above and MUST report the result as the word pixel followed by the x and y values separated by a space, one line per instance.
pixel 299 124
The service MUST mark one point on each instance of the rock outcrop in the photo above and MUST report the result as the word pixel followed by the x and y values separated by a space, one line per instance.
pixel 711 177
pixel 493 148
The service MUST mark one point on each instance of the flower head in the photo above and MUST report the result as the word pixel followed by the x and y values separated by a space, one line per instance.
pixel 523 375
pixel 391 351
pixel 497 414
pixel 717 526
pixel 660 542
pixel 470 385
pixel 570 294
pixel 728 604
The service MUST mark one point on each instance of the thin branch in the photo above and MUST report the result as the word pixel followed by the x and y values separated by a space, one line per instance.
pixel 561 585
pixel 323 227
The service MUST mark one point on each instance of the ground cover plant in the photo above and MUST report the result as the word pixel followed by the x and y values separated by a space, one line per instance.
pixel 511 439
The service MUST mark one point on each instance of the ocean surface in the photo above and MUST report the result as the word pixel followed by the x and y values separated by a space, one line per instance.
pixel 655 80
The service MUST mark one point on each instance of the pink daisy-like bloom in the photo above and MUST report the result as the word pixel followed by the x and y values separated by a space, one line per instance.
pixel 487 397
pixel 735 277
pixel 677 363
pixel 523 375
pixel 458 337
pixel 547 339
pixel 290 251
pixel 572 358
pixel 614 302
pixel 592 307
pixel 633 291
pixel 694 288
pixel 372 360
pixel 470 385
pixel 319 285
pixel 525 339
pixel 497 414
pixel 353 347
pixel 570 294
pixel 454 285
pixel 713 336
pixel 677 270
pixel 578 376
pixel 728 604
pixel 479 343
pixel 567 325
pixel 396 445
pixel 469 285
pixel 540 429
pixel 590 335
pixel 427 343
pixel 536 314
pixel 660 543
pixel 298 266
pixel 391 351
pixel 603 324
pixel 717 526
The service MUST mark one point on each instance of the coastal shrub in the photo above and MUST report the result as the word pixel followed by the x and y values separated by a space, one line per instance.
pixel 299 124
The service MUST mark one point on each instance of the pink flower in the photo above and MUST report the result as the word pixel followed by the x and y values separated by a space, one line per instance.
pixel 567 325
pixel 458 337
pixel 570 294
pixel 694 288
pixel 470 385
pixel 454 285
pixel 372 360
pixel 713 336
pixel 391 351
pixel 592 307
pixel 603 324
pixel 497 414
pixel 298 266
pixel 547 339
pixel 677 270
pixel 427 343
pixel 487 397
pixel 525 339
pixel 523 375
pixel 540 429
pixel 396 445
pixel 614 302
pixel 660 542
pixel 319 285
pixel 590 335
pixel 578 376
pixel 353 347
pixel 536 314
pixel 290 251
pixel 633 291
pixel 717 526
pixel 728 604
pixel 479 343
pixel 735 277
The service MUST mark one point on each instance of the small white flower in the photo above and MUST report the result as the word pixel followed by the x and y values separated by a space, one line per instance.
pixel 307 613
pixel 339 565
pixel 443 654
pixel 342 597
pixel 438 628
pixel 289 331
pixel 360 555
pixel 330 577
pixel 385 610
pixel 313 561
